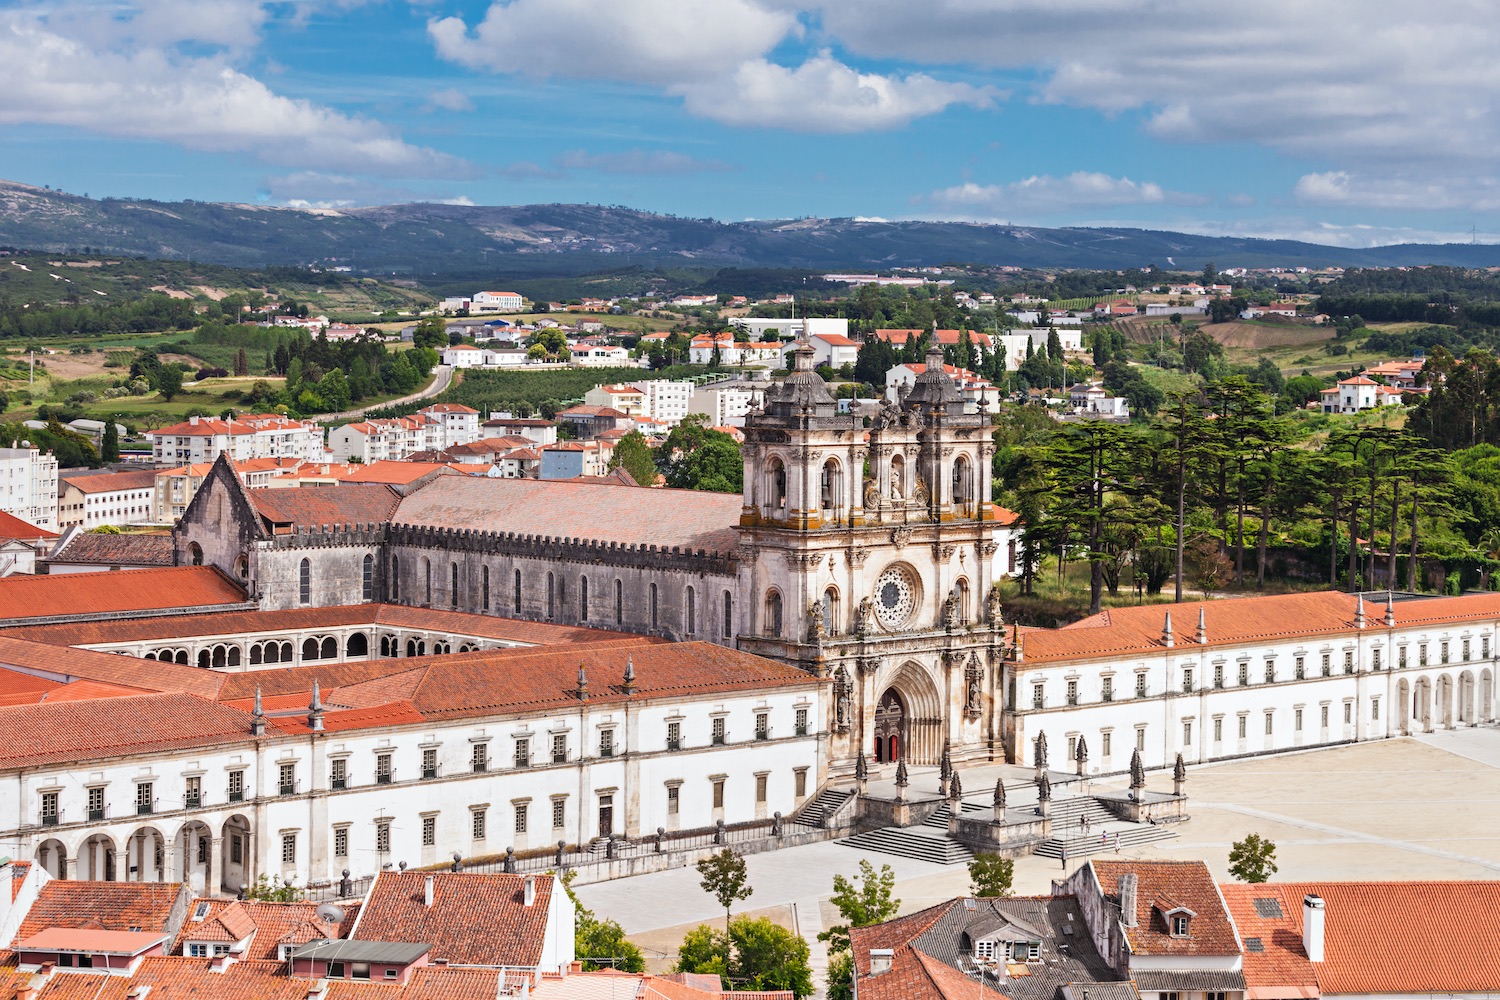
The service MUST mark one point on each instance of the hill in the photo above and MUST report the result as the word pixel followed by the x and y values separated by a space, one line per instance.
pixel 446 242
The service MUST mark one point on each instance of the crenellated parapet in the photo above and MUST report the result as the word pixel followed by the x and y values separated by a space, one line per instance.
pixel 330 536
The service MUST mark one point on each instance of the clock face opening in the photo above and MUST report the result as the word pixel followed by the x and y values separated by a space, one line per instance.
pixel 895 597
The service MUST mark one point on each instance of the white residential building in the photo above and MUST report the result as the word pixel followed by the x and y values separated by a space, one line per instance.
pixel 28 485
pixel 436 428
pixel 665 400
pixel 701 351
pixel 463 356
pixel 496 302
pixel 789 329
pixel 1014 344
pixel 268 435
pixel 1352 395
pixel 601 356
pixel 726 403
pixel 106 498
pixel 831 349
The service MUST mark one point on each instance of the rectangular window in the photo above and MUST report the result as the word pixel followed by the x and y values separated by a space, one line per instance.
pixel 1375 658
pixel 718 793
pixel 1443 652
pixel 1106 741
pixel 674 736
pixel 1140 685
pixel 718 731
pixel 523 752
pixel 1484 647
pixel 429 831
pixel 287 778
pixel 1038 696
pixel 801 722
pixel 192 796
pixel 762 726
pixel 1270 723
pixel 335 970
pixel 144 801
pixel 1244 726
pixel 382 838
pixel 559 813
pixel 1140 738
pixel 606 743
pixel 1301 668
pixel 1270 671
pixel 1327 665
pixel 1422 654
pixel 1218 730
pixel 236 849
pixel 1187 681
pixel 341 842
pixel 479 758
pixel 49 809
pixel 1348 661
pixel 1107 689
pixel 1072 692
pixel 674 799
pixel 521 817
pixel 1218 675
pixel 338 774
pixel 1375 709
pixel 1244 674
pixel 429 762
pixel 236 786
pixel 194 951
pixel 1187 734
pixel 1297 719
pixel 288 848
pixel 476 823
pixel 761 781
pixel 1348 712
pixel 1325 716
pixel 559 748
pixel 1466 650
pixel 801 777
pixel 383 770
pixel 1401 658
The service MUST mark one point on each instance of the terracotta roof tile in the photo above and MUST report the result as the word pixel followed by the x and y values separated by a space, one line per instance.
pixel 13 527
pixel 272 924
pixel 1391 937
pixel 116 550
pixel 79 594
pixel 64 664
pixel 1275 963
pixel 112 482
pixel 62 732
pixel 688 519
pixel 355 503
pixel 1186 882
pixel 513 933
pixel 108 906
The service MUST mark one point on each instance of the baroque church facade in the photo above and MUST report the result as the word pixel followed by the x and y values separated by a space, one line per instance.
pixel 865 555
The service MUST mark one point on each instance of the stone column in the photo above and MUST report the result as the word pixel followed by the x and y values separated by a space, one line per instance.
pixel 215 850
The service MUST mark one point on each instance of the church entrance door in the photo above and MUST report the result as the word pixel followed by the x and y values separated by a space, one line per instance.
pixel 890 728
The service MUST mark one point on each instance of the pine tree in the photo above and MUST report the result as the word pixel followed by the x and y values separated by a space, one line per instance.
pixel 110 448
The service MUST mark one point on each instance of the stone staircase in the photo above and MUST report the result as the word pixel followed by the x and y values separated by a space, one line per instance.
pixel 925 842
pixel 827 802
pixel 1107 832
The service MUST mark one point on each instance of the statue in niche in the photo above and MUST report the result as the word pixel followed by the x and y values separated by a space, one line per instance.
pixel 895 484
pixel 841 700
pixel 816 628
pixel 862 615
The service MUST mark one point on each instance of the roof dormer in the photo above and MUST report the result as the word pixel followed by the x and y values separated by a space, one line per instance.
pixel 1177 919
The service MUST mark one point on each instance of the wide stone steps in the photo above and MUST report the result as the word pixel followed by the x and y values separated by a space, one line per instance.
pixel 921 842
pixel 1118 835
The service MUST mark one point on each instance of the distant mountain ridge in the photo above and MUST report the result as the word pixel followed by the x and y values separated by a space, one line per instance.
pixel 445 241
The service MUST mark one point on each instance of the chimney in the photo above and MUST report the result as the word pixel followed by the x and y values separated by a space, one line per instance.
pixel 257 717
pixel 1166 631
pixel 1313 912
pixel 880 961
pixel 427 891
pixel 1359 611
pixel 1202 627
pixel 193 421
pixel 629 686
pixel 583 684
pixel 1390 610
pixel 315 710
pixel 318 990
pixel 1127 899
pixel 529 891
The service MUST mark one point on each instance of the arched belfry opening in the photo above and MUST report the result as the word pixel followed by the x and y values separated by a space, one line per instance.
pixel 890 727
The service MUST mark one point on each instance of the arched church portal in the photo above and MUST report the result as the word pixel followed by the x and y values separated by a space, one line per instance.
pixel 908 718
pixel 890 727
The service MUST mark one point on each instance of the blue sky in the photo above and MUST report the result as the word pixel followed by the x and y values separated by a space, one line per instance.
pixel 1346 121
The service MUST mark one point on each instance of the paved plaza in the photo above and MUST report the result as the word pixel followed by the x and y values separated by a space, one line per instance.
pixel 1420 808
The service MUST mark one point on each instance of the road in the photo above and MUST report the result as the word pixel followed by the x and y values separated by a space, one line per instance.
pixel 442 381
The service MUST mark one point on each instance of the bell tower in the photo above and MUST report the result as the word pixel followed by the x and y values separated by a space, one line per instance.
pixel 870 557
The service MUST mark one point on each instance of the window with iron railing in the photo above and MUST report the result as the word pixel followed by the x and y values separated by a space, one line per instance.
pixel 192 797
pixel 384 772
pixel 144 803
pixel 674 736
pixel 479 758
pixel 50 814
pixel 429 763
pixel 338 774
pixel 801 722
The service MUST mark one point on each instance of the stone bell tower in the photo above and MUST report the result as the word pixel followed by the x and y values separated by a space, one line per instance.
pixel 869 556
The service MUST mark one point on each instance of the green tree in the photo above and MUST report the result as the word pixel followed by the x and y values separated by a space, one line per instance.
pixel 696 457
pixel 334 388
pixel 863 900
pixel 110 447
pixel 703 951
pixel 634 455
pixel 991 875
pixel 169 381
pixel 725 878
pixel 431 331
pixel 1252 859
pixel 271 889
pixel 768 956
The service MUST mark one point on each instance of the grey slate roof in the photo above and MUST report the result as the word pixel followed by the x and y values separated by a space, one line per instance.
pixel 1172 980
pixel 394 952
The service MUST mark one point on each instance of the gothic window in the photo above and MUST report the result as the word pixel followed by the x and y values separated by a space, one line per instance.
pixel 367 578
pixel 453 585
pixel 653 606
pixel 961 600
pixel 776 484
pixel 619 603
pixel 962 482
pixel 831 610
pixel 773 613
pixel 832 485
pixel 426 582
pixel 484 588
pixel 728 630
pixel 583 598
pixel 516 595
pixel 196 551
pixel 551 598
pixel 691 619
pixel 395 578
pixel 304 582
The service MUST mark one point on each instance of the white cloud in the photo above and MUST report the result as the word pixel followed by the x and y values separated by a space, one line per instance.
pixel 61 66
pixel 1340 187
pixel 658 42
pixel 449 99
pixel 317 189
pixel 713 55
pixel 1044 195
pixel 824 95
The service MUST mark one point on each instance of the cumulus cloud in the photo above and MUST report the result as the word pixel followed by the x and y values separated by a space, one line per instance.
pixel 712 55
pixel 449 99
pixel 62 66
pixel 1045 195
pixel 1341 187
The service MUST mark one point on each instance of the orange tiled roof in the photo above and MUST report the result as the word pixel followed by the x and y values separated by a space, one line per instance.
pixel 116 550
pixel 63 732
pixel 112 482
pixel 106 906
pixel 273 924
pixel 1163 886
pixel 1275 964
pixel 76 594
pixel 1387 937
pixel 13 527
pixel 28 657
pixel 361 503
pixel 395 910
